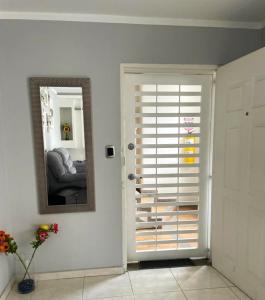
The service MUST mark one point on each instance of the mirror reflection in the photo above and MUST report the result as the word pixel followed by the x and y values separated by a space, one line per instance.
pixel 64 144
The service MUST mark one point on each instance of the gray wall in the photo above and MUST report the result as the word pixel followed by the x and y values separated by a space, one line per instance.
pixel 34 48
pixel 6 264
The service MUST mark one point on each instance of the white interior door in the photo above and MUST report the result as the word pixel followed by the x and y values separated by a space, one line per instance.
pixel 167 161
pixel 238 208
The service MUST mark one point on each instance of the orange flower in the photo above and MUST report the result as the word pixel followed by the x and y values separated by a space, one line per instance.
pixel 2 236
pixel 6 247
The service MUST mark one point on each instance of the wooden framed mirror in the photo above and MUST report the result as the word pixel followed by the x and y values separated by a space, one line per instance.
pixel 62 127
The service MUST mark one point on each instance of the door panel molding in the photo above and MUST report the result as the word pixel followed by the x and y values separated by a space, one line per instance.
pixel 238 208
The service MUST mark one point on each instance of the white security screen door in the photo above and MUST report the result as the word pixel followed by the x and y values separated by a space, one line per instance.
pixel 167 165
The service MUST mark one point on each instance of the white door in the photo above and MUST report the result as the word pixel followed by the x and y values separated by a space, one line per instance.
pixel 238 208
pixel 167 164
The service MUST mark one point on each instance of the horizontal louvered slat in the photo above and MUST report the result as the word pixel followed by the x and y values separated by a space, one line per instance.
pixel 167 213
pixel 164 125
pixel 138 93
pixel 140 156
pixel 141 146
pixel 158 115
pixel 165 194
pixel 172 135
pixel 165 232
pixel 176 241
pixel 175 203
pixel 168 166
pixel 166 104
pixel 168 175
pixel 158 185
pixel 163 223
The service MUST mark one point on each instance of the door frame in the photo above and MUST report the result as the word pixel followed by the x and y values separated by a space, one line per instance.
pixel 159 69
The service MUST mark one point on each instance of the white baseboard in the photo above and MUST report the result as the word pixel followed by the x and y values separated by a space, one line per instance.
pixel 7 289
pixel 79 273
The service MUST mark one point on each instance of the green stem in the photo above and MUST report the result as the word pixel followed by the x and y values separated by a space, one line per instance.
pixel 24 265
pixel 31 259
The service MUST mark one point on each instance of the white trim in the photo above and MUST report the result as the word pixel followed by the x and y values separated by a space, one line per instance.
pixel 168 69
pixel 123 169
pixel 147 68
pixel 7 289
pixel 98 18
pixel 210 189
pixel 79 273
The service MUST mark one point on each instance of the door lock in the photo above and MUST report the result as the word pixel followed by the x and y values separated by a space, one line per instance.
pixel 131 176
pixel 131 146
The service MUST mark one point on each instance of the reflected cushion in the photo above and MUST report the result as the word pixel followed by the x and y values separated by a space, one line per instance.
pixel 67 160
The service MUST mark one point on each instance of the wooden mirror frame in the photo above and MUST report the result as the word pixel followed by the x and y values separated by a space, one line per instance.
pixel 84 83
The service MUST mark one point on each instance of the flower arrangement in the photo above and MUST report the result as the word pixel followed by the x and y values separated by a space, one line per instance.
pixel 7 243
pixel 9 246
pixel 66 130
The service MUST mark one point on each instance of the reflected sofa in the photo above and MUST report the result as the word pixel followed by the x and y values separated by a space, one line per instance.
pixel 60 176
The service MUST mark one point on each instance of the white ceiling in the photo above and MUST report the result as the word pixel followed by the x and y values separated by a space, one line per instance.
pixel 233 11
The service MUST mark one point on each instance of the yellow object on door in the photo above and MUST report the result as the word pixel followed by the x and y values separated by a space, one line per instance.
pixel 189 150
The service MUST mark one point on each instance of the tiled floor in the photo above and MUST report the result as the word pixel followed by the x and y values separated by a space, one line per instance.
pixel 187 283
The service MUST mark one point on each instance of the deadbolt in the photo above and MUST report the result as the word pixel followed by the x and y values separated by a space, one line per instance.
pixel 130 146
pixel 131 176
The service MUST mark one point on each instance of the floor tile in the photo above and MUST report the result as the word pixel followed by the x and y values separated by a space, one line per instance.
pixel 202 277
pixel 107 287
pixel 239 293
pixel 62 289
pixel 226 280
pixel 153 280
pixel 198 283
pixel 161 296
pixel 211 294
pixel 14 295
